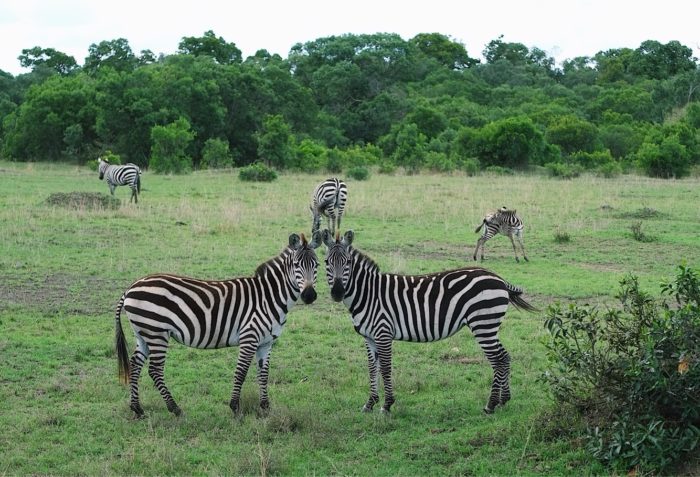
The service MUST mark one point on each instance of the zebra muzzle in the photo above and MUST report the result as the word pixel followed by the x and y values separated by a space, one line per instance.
pixel 337 291
pixel 308 296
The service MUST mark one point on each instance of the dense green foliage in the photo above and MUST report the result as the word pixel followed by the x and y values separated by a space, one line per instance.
pixel 634 373
pixel 424 101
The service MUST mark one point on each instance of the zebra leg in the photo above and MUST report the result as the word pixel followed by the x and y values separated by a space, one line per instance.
pixel 479 245
pixel 155 371
pixel 500 388
pixel 134 195
pixel 372 362
pixel 514 249
pixel 245 357
pixel 262 355
pixel 111 188
pixel 522 247
pixel 384 352
pixel 136 363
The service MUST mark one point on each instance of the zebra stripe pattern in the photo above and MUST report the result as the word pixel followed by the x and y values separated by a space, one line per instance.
pixel 505 222
pixel 328 200
pixel 420 308
pixel 249 312
pixel 128 174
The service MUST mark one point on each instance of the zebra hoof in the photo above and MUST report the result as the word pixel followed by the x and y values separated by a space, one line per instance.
pixel 138 411
pixel 366 408
pixel 234 405
pixel 385 411
pixel 175 410
pixel 488 410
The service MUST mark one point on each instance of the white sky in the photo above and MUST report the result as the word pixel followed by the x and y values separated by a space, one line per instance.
pixel 563 28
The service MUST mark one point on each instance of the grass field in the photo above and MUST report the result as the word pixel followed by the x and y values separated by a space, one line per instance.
pixel 62 269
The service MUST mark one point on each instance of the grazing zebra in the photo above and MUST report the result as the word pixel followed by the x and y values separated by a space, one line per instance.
pixel 328 200
pixel 128 174
pixel 420 308
pixel 503 221
pixel 249 312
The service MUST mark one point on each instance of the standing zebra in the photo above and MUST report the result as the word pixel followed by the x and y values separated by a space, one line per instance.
pixel 328 200
pixel 420 308
pixel 128 174
pixel 249 312
pixel 503 221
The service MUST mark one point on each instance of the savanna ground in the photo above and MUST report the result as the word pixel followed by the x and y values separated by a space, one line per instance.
pixel 62 269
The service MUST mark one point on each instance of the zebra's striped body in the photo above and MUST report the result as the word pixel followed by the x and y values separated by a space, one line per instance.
pixel 420 308
pixel 249 312
pixel 328 200
pixel 128 174
pixel 505 222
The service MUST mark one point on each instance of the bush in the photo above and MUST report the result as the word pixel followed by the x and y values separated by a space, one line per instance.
pixel 257 172
pixel 633 373
pixel 609 170
pixel 358 173
pixel 500 171
pixel 216 154
pixel 471 166
pixel 563 171
pixel 439 162
pixel 387 167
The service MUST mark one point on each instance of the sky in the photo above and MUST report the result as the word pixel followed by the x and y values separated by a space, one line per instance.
pixel 564 29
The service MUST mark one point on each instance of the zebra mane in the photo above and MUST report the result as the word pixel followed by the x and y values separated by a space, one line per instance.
pixel 265 266
pixel 361 257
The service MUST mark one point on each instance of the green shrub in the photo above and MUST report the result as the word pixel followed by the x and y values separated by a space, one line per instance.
pixel 638 234
pixel 609 170
pixel 358 173
pixel 471 166
pixel 439 162
pixel 112 158
pixel 216 154
pixel 387 167
pixel 563 171
pixel 257 172
pixel 632 373
pixel 561 237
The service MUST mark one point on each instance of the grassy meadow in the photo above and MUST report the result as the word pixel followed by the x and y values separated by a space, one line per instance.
pixel 62 270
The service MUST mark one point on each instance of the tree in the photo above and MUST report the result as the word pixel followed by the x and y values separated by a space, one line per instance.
pixel 511 142
pixel 445 51
pixel 514 53
pixel 658 61
pixel 275 142
pixel 115 54
pixel 216 154
pixel 47 57
pixel 572 134
pixel 169 149
pixel 217 48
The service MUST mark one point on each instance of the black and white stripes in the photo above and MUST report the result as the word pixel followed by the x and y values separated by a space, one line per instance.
pixel 505 222
pixel 128 174
pixel 249 312
pixel 328 200
pixel 420 308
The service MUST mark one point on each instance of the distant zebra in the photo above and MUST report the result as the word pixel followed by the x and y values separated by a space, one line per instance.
pixel 505 222
pixel 128 174
pixel 206 314
pixel 328 200
pixel 420 308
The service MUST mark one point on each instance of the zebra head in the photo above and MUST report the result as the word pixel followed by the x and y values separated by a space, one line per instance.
pixel 338 262
pixel 102 165
pixel 305 264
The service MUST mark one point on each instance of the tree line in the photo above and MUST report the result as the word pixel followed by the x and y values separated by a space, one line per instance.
pixel 358 100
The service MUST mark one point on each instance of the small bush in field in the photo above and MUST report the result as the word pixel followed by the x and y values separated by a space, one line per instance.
pixel 257 172
pixel 561 237
pixel 633 373
pixel 638 234
pixel 359 173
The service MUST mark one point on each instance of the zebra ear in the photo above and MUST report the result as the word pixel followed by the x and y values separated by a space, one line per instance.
pixel 315 240
pixel 348 238
pixel 327 238
pixel 294 241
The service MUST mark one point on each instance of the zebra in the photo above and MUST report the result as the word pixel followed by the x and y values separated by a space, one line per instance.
pixel 503 221
pixel 419 308
pixel 328 200
pixel 128 174
pixel 249 312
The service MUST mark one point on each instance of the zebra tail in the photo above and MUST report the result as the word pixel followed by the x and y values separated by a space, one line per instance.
pixel 120 344
pixel 479 227
pixel 138 182
pixel 514 295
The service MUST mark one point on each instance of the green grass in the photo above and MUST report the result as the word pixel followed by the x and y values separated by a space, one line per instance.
pixel 62 270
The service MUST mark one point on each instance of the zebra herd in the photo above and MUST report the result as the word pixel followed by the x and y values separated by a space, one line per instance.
pixel 250 312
